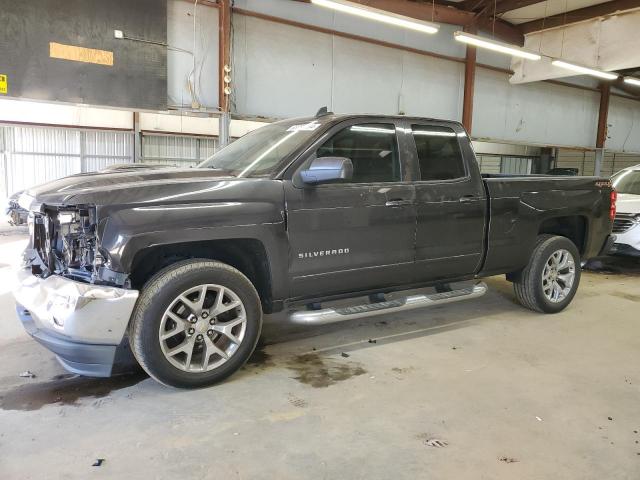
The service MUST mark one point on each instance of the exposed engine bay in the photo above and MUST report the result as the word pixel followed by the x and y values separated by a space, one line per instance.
pixel 64 242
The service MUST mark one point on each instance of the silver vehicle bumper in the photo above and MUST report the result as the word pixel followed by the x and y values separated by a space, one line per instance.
pixel 83 324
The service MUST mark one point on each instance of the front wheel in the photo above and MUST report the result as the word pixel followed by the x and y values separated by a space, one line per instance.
pixel 550 280
pixel 195 323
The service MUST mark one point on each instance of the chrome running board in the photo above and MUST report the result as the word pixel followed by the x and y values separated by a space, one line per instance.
pixel 333 315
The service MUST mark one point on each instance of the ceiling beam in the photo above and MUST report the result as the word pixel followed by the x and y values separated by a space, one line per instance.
pixel 625 87
pixel 579 15
pixel 443 14
pixel 508 5
pixel 472 5
pixel 422 11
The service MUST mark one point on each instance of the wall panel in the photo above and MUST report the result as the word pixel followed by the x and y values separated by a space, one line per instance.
pixel 539 113
pixel 624 125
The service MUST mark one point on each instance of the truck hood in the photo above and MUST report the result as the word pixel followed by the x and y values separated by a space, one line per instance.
pixel 119 186
pixel 628 203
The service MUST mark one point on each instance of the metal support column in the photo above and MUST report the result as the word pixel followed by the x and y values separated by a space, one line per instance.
pixel 223 129
pixel 83 151
pixel 224 70
pixel 601 137
pixel 469 84
pixel 599 160
pixel 137 138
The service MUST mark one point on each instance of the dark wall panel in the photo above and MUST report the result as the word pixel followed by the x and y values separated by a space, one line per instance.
pixel 137 78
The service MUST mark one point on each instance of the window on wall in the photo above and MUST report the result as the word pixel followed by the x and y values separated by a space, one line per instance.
pixel 439 153
pixel 371 147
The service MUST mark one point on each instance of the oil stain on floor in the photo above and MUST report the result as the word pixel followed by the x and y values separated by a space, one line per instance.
pixel 65 390
pixel 320 372
pixel 260 359
pixel 626 296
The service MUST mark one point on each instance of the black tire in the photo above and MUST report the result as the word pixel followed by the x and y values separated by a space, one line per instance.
pixel 528 284
pixel 158 294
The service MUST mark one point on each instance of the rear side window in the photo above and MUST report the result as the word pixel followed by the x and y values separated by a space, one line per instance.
pixel 371 147
pixel 438 153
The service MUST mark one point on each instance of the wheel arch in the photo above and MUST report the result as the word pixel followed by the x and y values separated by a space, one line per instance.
pixel 573 227
pixel 248 255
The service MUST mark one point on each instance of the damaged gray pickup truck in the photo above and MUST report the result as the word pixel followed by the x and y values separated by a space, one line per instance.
pixel 181 264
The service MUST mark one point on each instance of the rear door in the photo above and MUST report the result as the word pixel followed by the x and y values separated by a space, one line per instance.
pixel 357 235
pixel 450 201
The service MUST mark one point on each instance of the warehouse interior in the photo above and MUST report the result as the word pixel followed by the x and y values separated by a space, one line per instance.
pixel 476 389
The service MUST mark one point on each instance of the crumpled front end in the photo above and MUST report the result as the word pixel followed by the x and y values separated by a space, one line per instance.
pixel 67 298
pixel 83 324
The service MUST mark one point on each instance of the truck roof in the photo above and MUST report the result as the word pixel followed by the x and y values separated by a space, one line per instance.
pixel 331 117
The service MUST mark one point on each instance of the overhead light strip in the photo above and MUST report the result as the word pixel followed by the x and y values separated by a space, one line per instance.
pixel 391 18
pixel 501 47
pixel 584 70
pixel 379 15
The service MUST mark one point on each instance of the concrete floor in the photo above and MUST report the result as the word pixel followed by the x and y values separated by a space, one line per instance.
pixel 478 390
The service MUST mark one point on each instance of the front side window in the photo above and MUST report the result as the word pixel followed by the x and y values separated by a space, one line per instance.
pixel 438 152
pixel 371 147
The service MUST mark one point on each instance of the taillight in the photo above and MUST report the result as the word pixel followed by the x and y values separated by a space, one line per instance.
pixel 612 208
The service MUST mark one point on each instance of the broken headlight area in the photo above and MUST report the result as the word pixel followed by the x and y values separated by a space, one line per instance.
pixel 64 242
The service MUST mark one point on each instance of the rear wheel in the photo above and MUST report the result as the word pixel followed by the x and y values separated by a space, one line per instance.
pixel 550 280
pixel 196 322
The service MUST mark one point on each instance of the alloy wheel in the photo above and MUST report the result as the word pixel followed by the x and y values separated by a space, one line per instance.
pixel 202 328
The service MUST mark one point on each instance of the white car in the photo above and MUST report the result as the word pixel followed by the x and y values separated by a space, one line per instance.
pixel 626 226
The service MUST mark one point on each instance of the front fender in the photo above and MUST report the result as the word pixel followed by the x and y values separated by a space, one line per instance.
pixel 129 230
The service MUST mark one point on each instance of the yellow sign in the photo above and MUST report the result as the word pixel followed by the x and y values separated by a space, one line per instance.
pixel 80 54
pixel 4 84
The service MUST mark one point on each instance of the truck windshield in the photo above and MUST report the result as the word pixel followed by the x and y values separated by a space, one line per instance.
pixel 259 152
pixel 627 181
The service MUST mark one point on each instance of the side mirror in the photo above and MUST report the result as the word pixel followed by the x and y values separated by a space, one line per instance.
pixel 327 170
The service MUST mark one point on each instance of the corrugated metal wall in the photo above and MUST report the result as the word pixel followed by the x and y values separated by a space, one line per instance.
pixel 489 163
pixel 585 161
pixel 181 151
pixel 34 155
pixel 516 165
pixel 494 164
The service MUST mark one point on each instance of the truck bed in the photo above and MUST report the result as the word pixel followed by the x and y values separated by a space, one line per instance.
pixel 521 207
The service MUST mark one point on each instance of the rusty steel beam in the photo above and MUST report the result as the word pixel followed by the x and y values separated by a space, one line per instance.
pixel 422 11
pixel 603 114
pixel 579 15
pixel 224 50
pixel 508 5
pixel 444 14
pixel 469 84
pixel 472 5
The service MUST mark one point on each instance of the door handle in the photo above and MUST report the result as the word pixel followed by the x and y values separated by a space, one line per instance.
pixel 468 198
pixel 398 202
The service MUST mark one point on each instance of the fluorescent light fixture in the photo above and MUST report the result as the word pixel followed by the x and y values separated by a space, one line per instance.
pixel 495 46
pixel 632 81
pixel 584 70
pixel 379 15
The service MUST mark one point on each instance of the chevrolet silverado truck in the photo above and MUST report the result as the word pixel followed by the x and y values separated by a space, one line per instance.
pixel 182 264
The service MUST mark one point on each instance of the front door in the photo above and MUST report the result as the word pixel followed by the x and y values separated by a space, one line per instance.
pixel 451 202
pixel 357 235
